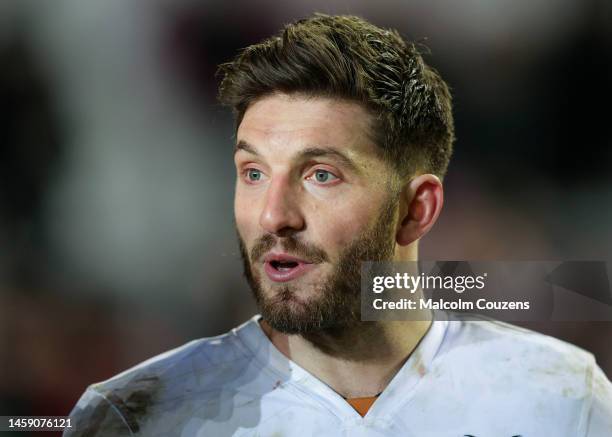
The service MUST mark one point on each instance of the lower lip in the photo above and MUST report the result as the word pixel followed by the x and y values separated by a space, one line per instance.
pixel 287 275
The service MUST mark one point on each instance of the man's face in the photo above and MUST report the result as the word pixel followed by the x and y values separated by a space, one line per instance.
pixel 313 200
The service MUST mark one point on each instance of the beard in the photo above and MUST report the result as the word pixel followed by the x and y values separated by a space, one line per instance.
pixel 334 304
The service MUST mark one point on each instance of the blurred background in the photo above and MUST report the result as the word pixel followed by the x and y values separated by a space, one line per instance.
pixel 117 239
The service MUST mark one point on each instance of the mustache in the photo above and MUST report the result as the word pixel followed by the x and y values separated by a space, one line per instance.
pixel 291 245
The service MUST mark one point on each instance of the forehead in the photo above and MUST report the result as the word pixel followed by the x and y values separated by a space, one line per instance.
pixel 294 121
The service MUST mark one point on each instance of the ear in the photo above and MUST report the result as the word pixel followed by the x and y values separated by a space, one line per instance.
pixel 422 200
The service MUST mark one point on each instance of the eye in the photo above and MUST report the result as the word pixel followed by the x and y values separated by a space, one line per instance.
pixel 323 176
pixel 253 175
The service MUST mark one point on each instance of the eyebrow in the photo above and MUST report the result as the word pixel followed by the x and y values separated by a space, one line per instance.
pixel 309 152
pixel 243 145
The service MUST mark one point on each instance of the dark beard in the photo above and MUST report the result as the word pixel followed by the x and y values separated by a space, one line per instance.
pixel 337 305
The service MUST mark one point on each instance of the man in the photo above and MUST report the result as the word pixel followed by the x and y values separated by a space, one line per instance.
pixel 343 137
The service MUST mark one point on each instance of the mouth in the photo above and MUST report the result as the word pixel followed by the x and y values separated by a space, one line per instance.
pixel 284 268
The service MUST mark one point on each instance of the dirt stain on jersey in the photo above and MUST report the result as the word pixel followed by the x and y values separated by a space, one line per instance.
pixel 135 399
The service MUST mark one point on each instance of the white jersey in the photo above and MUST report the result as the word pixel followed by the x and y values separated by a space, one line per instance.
pixel 465 378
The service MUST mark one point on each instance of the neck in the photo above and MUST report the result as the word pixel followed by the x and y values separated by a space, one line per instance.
pixel 355 362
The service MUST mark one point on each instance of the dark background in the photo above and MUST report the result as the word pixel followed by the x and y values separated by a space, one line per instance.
pixel 116 177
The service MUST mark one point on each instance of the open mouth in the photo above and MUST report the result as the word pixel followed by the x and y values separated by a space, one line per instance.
pixel 283 266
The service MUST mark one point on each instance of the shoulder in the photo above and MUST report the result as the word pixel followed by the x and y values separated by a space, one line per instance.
pixel 194 373
pixel 510 353
pixel 198 359
pixel 506 363
pixel 506 339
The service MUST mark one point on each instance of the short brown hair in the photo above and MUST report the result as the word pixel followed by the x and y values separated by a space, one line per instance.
pixel 347 57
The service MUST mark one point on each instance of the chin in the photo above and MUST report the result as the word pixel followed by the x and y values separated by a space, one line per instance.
pixel 291 294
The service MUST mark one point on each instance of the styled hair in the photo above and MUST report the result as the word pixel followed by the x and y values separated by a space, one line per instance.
pixel 349 58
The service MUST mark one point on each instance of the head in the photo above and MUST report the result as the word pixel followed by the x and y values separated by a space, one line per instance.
pixel 343 135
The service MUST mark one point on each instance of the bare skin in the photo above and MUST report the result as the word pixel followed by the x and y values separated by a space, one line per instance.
pixel 327 198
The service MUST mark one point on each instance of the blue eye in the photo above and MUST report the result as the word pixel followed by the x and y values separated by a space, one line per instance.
pixel 323 176
pixel 253 175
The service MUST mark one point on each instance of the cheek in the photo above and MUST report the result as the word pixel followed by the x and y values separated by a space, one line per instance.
pixel 245 217
pixel 339 226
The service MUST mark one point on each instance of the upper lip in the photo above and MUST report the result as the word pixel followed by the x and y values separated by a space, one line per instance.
pixel 283 257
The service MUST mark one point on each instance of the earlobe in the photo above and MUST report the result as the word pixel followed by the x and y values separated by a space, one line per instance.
pixel 423 197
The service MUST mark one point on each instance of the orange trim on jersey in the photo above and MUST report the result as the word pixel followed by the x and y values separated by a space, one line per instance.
pixel 362 405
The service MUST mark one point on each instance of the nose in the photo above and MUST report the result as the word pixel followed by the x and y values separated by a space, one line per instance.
pixel 281 214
